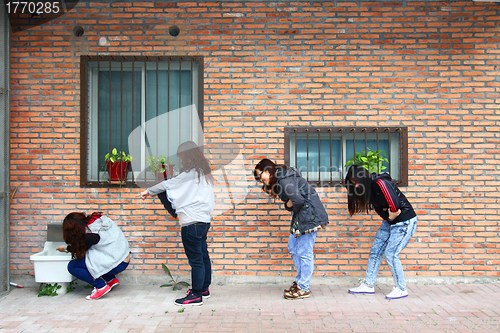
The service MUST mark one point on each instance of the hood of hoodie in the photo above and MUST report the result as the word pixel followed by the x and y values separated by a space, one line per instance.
pixel 285 173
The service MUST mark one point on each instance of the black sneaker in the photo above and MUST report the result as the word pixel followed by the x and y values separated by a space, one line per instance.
pixel 190 299
pixel 206 294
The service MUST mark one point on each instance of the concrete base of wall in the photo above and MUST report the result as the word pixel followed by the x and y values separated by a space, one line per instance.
pixel 343 281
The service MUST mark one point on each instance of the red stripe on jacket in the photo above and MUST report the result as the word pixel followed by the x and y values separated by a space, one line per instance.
pixel 93 217
pixel 387 195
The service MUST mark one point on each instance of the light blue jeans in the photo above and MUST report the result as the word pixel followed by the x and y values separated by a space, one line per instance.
pixel 301 250
pixel 390 240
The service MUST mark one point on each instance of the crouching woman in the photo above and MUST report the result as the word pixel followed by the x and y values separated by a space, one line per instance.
pixel 98 248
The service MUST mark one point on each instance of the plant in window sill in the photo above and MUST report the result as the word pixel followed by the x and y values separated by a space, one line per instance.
pixel 372 161
pixel 161 167
pixel 118 165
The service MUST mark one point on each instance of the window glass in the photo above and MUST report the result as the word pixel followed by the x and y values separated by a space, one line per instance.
pixel 143 106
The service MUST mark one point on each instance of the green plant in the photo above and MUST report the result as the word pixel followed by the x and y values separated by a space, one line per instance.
pixel 372 161
pixel 180 310
pixel 48 289
pixel 176 285
pixel 156 164
pixel 116 156
pixel 71 286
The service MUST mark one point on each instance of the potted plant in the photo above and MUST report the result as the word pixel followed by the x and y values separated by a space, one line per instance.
pixel 373 161
pixel 118 165
pixel 161 167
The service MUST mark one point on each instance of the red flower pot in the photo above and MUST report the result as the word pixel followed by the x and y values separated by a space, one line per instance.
pixel 169 172
pixel 118 170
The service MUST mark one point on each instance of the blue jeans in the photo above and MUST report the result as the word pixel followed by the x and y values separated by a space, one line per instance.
pixel 301 250
pixel 78 269
pixel 390 240
pixel 194 239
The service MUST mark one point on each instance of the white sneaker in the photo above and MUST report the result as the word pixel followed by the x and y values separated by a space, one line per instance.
pixel 362 289
pixel 397 293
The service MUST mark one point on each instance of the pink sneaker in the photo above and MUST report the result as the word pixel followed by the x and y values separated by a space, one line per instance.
pixel 98 293
pixel 113 283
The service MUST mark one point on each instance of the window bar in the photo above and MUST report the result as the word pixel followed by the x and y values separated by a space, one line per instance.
pixel 109 109
pixel 389 140
pixel 157 103
pixel 121 106
pixel 145 113
pixel 331 155
pixel 307 153
pixel 133 90
pixel 342 163
pixel 399 130
pixel 98 112
pixel 319 155
pixel 192 101
pixel 378 148
pixel 168 108
pixel 354 141
pixel 180 100
pixel 296 161
pixel 366 141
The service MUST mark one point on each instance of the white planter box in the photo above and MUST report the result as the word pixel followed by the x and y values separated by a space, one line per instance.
pixel 51 266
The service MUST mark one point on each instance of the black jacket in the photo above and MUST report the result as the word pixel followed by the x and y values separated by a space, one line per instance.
pixel 386 196
pixel 307 209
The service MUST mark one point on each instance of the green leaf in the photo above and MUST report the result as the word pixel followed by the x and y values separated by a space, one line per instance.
pixel 166 285
pixel 167 271
pixel 183 283
pixel 114 152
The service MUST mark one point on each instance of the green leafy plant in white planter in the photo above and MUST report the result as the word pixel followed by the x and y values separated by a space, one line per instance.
pixel 372 161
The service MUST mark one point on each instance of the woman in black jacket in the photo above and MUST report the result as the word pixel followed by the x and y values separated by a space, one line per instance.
pixel 308 216
pixel 378 192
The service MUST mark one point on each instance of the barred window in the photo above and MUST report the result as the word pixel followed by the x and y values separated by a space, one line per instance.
pixel 321 153
pixel 140 105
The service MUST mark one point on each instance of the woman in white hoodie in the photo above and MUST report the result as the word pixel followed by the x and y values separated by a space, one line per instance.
pixel 190 196
pixel 99 250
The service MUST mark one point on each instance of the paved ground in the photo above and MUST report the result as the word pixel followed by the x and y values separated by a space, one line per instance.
pixel 256 308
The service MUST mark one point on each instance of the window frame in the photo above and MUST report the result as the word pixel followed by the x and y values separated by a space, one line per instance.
pixel 363 132
pixel 86 102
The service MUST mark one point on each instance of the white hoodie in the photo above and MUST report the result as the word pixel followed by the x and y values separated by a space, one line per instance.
pixel 192 198
pixel 111 249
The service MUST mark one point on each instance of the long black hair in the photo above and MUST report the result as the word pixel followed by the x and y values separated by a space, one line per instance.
pixel 74 229
pixel 359 194
pixel 192 158
pixel 267 165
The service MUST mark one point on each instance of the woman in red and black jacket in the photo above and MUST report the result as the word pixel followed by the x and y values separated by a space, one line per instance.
pixel 378 192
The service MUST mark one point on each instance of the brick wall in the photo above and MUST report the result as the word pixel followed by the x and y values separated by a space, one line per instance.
pixel 430 66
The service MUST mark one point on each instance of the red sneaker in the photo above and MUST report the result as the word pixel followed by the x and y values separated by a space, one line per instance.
pixel 98 293
pixel 113 283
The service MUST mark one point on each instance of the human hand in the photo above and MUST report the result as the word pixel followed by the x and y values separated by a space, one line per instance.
pixel 393 215
pixel 143 195
pixel 61 248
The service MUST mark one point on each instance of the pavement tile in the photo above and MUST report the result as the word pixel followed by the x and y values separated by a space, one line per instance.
pixel 255 308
